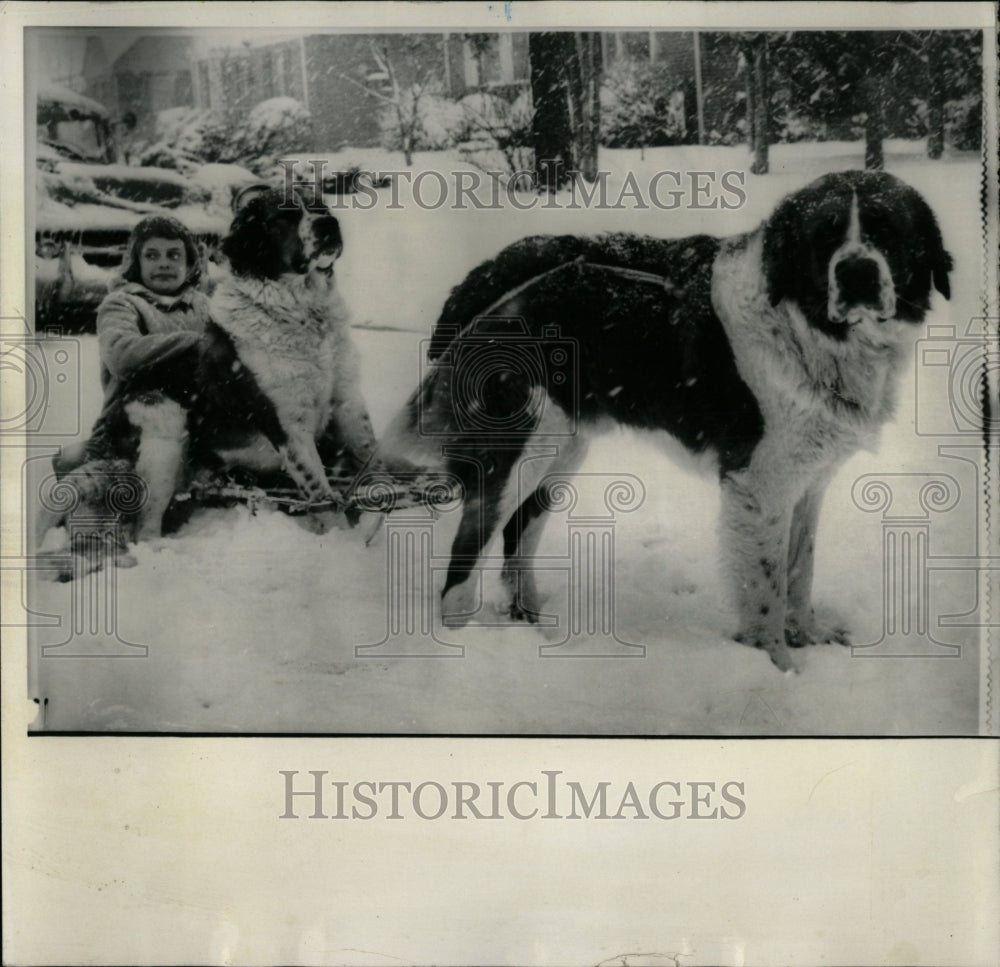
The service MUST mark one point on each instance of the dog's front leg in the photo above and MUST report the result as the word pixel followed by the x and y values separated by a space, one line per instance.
pixel 349 427
pixel 756 518
pixel 302 463
pixel 801 627
pixel 349 433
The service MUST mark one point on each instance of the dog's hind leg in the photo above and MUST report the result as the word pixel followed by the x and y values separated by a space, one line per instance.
pixel 521 536
pixel 459 601
pixel 523 532
pixel 487 478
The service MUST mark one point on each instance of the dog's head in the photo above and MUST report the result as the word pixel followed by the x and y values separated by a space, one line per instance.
pixel 855 247
pixel 278 232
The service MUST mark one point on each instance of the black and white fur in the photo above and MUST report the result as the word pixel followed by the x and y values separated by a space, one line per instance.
pixel 279 372
pixel 272 389
pixel 776 351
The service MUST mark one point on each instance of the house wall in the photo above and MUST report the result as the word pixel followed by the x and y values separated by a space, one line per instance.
pixel 152 74
pixel 343 112
pixel 334 74
pixel 341 72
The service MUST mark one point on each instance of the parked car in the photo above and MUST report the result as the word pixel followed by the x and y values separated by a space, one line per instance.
pixel 88 199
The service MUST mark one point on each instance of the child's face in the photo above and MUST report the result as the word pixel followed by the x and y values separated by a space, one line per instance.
pixel 163 265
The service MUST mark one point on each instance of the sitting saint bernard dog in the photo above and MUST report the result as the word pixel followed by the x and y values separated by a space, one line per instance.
pixel 278 386
pixel 272 388
pixel 777 351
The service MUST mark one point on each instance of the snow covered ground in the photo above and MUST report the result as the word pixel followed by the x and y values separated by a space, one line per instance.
pixel 251 622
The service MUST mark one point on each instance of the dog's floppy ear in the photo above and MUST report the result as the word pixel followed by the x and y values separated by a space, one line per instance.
pixel 937 259
pixel 782 240
pixel 253 245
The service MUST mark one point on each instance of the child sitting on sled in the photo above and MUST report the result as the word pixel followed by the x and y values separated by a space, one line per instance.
pixel 148 327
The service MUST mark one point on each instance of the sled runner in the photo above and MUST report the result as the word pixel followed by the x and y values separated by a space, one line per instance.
pixel 379 493
pixel 96 541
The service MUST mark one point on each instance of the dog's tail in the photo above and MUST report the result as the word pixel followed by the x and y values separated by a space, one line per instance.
pixel 413 440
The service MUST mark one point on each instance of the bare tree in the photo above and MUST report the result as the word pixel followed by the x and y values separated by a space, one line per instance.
pixel 404 102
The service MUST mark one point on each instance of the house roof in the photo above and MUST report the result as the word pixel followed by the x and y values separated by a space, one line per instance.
pixel 154 53
pixel 54 94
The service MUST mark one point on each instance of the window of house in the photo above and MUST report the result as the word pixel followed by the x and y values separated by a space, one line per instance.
pixel 488 59
pixel 204 86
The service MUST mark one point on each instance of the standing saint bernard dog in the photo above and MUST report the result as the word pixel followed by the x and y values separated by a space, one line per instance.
pixel 777 351
pixel 272 389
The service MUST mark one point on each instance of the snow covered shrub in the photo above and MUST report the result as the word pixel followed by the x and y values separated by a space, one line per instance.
pixel 220 142
pixel 181 140
pixel 793 126
pixel 497 130
pixel 185 138
pixel 279 124
pixel 642 106
pixel 442 123
pixel 909 119
pixel 274 128
pixel 963 122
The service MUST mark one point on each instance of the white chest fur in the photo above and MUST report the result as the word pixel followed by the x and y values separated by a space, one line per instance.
pixel 825 398
pixel 292 338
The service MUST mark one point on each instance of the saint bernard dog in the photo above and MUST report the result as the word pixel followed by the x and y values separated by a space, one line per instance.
pixel 776 351
pixel 270 392
pixel 278 388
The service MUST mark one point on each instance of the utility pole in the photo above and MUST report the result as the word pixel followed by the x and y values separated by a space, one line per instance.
pixel 305 73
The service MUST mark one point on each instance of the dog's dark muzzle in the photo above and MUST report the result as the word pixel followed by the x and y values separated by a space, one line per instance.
pixel 858 281
pixel 326 235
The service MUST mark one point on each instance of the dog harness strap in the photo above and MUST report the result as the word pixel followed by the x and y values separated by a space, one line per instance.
pixel 634 274
pixel 518 289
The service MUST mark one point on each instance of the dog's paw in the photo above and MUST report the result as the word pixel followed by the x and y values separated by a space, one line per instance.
pixel 816 633
pixel 125 560
pixel 321 521
pixel 80 564
pixel 318 492
pixel 777 650
pixel 460 604
pixel 518 611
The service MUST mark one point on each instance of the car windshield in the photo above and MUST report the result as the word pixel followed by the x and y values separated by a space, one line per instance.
pixel 81 139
